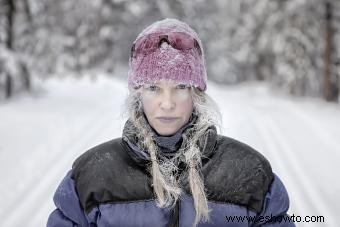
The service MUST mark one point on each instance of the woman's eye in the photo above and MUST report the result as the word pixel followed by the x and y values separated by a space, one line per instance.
pixel 152 88
pixel 182 86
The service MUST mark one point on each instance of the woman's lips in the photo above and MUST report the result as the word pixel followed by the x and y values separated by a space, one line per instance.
pixel 167 119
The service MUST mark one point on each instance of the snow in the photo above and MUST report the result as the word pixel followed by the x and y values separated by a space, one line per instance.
pixel 43 132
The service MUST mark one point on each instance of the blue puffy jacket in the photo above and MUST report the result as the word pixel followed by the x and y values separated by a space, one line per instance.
pixel 109 185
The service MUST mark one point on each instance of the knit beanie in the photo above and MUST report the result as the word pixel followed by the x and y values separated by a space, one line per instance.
pixel 181 66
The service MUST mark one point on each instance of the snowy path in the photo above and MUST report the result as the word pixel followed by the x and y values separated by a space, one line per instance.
pixel 68 120
pixel 43 133
pixel 299 137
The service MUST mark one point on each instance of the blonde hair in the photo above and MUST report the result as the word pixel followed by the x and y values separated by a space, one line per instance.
pixel 164 171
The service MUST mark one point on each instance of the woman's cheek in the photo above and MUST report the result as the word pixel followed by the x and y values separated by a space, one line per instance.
pixel 183 96
pixel 148 95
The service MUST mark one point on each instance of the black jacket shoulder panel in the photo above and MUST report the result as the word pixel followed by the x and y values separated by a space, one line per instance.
pixel 234 173
pixel 237 174
pixel 105 173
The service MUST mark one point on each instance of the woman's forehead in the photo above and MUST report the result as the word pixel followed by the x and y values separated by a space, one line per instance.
pixel 166 82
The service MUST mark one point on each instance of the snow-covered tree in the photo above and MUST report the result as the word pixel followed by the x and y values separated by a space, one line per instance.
pixel 291 44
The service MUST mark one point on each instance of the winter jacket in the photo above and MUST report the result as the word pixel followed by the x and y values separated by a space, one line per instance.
pixel 109 185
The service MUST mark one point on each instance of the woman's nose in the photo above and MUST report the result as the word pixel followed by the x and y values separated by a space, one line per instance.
pixel 167 101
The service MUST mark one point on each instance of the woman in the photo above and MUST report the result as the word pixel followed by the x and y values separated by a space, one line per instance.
pixel 170 167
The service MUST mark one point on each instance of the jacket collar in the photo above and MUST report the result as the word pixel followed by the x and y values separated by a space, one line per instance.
pixel 130 140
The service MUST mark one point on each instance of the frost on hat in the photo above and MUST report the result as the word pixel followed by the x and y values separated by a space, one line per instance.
pixel 187 67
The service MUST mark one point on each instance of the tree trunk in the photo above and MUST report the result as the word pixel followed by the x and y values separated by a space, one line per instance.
pixel 8 86
pixel 10 28
pixel 28 12
pixel 330 85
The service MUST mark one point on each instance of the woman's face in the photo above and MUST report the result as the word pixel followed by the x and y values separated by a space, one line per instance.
pixel 167 106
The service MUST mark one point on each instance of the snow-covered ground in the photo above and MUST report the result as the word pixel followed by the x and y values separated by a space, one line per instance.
pixel 42 133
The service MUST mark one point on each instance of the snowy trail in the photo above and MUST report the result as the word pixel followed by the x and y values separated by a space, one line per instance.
pixel 51 158
pixel 310 153
pixel 43 187
pixel 297 181
pixel 298 138
pixel 301 140
pixel 42 136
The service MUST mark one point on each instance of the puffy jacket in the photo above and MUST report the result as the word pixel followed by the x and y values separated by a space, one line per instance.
pixel 109 185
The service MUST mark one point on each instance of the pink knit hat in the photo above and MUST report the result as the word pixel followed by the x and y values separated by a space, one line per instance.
pixel 185 66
